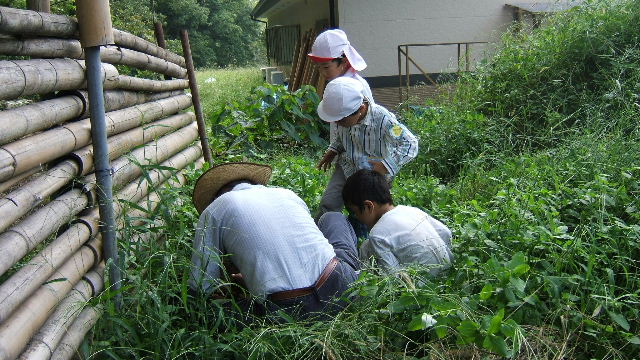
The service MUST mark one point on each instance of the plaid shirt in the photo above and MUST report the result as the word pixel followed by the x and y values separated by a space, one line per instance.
pixel 378 135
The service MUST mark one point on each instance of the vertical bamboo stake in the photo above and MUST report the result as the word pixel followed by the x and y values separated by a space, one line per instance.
pixel 159 33
pixel 94 20
pixel 39 5
pixel 195 95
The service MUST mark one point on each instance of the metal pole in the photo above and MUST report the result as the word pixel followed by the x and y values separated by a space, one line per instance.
pixel 399 74
pixel 195 96
pixel 466 56
pixel 96 30
pixel 103 167
pixel 406 53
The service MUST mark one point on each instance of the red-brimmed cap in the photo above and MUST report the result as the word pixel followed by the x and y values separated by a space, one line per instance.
pixel 332 44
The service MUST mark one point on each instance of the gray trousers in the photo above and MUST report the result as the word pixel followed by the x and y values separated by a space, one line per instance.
pixel 325 300
pixel 332 196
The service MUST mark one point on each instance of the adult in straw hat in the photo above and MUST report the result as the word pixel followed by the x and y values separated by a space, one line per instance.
pixel 368 136
pixel 269 235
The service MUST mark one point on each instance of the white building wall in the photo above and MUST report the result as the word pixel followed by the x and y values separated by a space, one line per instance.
pixel 376 27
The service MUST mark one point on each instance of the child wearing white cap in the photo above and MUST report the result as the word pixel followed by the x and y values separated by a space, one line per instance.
pixel 335 57
pixel 368 136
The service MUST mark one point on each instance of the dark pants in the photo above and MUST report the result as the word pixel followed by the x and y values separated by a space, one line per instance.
pixel 326 299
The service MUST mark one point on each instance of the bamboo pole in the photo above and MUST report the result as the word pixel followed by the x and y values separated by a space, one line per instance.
pixel 193 85
pixel 42 345
pixel 135 191
pixel 130 41
pixel 20 285
pixel 22 155
pixel 124 142
pixel 21 22
pixel 18 122
pixel 75 334
pixel 71 48
pixel 142 61
pixel 21 238
pixel 42 48
pixel 40 76
pixel 9 184
pixel 17 203
pixel 125 170
pixel 133 83
pixel 16 289
pixel 16 331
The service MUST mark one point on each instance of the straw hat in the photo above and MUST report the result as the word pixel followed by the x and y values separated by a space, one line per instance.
pixel 341 98
pixel 218 176
pixel 333 44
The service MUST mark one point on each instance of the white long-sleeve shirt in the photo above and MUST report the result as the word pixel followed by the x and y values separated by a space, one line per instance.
pixel 270 236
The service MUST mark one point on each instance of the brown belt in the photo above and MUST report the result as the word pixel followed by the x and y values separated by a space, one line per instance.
pixel 291 294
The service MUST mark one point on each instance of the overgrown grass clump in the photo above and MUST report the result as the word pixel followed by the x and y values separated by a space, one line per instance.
pixel 534 167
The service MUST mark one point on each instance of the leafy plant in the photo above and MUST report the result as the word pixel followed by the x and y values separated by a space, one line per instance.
pixel 270 115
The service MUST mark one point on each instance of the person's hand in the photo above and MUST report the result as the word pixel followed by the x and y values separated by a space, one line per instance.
pixel 379 167
pixel 325 162
pixel 238 279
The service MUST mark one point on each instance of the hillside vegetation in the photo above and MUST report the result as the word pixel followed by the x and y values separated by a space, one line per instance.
pixel 534 165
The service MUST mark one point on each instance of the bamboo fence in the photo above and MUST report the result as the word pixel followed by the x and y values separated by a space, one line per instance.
pixel 50 246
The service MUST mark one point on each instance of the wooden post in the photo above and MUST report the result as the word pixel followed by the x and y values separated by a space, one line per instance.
pixel 193 85
pixel 158 30
pixel 39 5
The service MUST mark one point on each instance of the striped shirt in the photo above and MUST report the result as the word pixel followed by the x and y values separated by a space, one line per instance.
pixel 268 234
pixel 378 135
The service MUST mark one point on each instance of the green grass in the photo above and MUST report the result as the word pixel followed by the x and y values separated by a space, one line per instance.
pixel 541 191
pixel 218 87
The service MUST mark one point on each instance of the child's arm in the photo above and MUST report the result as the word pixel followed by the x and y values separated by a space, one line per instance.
pixel 401 144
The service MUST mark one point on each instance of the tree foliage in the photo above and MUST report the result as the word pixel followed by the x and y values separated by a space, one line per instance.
pixel 221 32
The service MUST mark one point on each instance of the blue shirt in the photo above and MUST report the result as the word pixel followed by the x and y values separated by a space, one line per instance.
pixel 378 135
pixel 269 235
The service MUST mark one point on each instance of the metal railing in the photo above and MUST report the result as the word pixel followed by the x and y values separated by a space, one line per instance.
pixel 403 49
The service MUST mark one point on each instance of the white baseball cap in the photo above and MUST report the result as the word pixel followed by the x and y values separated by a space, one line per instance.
pixel 332 44
pixel 341 98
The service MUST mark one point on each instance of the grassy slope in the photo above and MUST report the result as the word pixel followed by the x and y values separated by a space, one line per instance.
pixel 536 173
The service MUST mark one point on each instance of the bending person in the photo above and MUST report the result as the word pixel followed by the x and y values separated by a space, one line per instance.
pixel 269 236
pixel 399 235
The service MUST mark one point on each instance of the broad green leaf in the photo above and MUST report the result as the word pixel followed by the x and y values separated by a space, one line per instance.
pixel 486 292
pixel 497 345
pixel 468 330
pixel 634 340
pixel 290 129
pixel 518 284
pixel 496 321
pixel 402 304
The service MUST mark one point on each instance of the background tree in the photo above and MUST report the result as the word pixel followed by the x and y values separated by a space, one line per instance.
pixel 221 32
